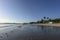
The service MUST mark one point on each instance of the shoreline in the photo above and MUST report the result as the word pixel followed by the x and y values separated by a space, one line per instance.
pixel 55 24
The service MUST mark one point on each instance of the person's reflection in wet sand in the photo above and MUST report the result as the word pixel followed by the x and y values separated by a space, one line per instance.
pixel 43 28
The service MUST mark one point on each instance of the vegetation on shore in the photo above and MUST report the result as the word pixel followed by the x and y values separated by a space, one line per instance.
pixel 46 20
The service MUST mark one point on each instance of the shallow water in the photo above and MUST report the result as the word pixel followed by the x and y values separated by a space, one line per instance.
pixel 29 32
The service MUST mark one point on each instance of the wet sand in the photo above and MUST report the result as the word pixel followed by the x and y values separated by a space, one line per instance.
pixel 42 37
pixel 30 32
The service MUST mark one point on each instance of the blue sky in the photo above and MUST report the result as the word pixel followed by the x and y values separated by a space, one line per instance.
pixel 28 10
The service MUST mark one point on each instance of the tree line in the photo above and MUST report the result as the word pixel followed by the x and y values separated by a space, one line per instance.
pixel 47 20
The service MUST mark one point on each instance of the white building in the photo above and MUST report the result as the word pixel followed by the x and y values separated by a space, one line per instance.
pixel 50 22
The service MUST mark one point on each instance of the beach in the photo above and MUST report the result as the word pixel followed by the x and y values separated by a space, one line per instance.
pixel 47 24
pixel 29 32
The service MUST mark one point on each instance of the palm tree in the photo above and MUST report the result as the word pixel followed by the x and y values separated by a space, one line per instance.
pixel 44 17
